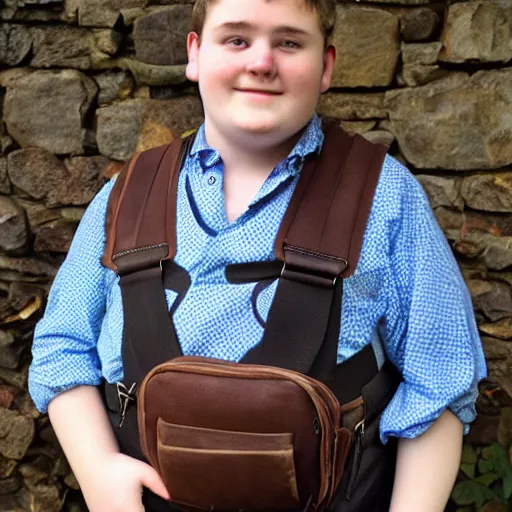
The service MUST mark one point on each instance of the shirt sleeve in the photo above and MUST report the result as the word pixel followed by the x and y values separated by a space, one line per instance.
pixel 429 331
pixel 64 351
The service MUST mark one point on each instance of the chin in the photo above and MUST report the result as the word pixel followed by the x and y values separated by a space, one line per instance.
pixel 257 125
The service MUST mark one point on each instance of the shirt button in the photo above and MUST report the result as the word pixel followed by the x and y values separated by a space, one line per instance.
pixel 212 179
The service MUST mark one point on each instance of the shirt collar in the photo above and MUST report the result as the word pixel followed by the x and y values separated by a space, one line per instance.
pixel 310 142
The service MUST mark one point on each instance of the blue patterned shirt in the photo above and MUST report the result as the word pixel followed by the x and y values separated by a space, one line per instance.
pixel 406 297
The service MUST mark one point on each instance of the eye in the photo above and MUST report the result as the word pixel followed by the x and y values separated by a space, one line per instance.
pixel 290 45
pixel 237 42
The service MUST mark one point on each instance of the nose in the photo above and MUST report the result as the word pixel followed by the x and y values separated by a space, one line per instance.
pixel 262 63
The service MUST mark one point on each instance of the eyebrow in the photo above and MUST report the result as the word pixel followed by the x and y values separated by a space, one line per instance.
pixel 244 25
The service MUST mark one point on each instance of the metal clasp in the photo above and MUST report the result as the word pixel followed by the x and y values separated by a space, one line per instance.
pixel 125 396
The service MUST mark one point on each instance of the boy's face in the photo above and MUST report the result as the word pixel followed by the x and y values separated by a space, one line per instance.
pixel 261 66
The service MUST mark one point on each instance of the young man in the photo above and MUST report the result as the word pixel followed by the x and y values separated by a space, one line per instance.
pixel 261 66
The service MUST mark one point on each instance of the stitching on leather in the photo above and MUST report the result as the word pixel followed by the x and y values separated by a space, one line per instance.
pixel 307 252
pixel 139 249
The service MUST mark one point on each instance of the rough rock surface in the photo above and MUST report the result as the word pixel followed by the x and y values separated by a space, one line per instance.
pixel 43 176
pixel 489 192
pixel 5 184
pixel 352 106
pixel 108 41
pixel 365 57
pixel 61 47
pixel 401 2
pixel 442 191
pixel 135 125
pixel 160 37
pixel 16 434
pixel 35 171
pixel 15 44
pixel 56 236
pixel 114 85
pixel 98 13
pixel 420 53
pixel 419 24
pixel 478 30
pixel 472 136
pixel 13 226
pixel 421 74
pixel 492 298
pixel 47 109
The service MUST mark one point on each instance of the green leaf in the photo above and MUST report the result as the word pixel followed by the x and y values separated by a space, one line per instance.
pixel 468 492
pixel 468 454
pixel 494 460
pixel 507 485
pixel 468 469
pixel 487 479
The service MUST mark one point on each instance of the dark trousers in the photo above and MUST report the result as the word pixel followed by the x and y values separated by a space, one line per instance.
pixel 153 503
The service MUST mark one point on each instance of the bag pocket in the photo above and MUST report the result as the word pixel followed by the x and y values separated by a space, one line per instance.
pixel 207 468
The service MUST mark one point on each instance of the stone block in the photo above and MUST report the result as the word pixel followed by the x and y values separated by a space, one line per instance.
pixel 64 47
pixel 108 41
pixel 488 192
pixel 359 127
pixel 99 13
pixel 380 137
pixel 56 236
pixel 138 124
pixel 501 329
pixel 492 298
pixel 5 184
pixel 15 44
pixel 13 227
pixel 151 74
pixel 352 107
pixel 457 122
pixel 47 109
pixel 28 266
pixel 16 434
pixel 43 176
pixel 414 75
pixel 113 86
pixel 160 37
pixel 366 57
pixel 420 53
pixel 419 24
pixel 35 171
pixel 402 2
pixel 442 191
pixel 478 31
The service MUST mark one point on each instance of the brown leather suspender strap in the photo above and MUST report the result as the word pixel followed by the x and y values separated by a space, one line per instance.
pixel 141 217
pixel 141 233
pixel 329 210
pixel 319 241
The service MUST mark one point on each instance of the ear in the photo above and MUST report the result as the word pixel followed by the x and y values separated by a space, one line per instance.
pixel 329 60
pixel 192 70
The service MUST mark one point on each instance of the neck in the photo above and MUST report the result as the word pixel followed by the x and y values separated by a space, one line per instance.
pixel 252 155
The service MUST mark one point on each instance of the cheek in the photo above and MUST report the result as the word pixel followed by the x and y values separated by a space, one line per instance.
pixel 216 69
pixel 302 76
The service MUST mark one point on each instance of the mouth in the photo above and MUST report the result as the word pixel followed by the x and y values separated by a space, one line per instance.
pixel 260 91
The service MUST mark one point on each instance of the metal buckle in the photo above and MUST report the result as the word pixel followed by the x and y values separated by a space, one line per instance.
pixel 125 396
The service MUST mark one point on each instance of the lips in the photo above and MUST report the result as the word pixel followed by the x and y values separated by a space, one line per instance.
pixel 259 91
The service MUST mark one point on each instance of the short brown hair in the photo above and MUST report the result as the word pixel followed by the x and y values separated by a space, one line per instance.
pixel 325 9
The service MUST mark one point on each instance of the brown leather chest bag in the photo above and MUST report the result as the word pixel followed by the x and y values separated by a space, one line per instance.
pixel 284 429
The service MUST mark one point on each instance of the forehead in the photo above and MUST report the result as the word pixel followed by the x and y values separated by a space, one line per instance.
pixel 256 12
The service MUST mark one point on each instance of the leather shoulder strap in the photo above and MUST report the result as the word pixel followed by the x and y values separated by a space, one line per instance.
pixel 141 213
pixel 323 228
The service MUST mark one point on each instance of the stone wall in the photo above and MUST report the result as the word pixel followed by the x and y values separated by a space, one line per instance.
pixel 85 83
